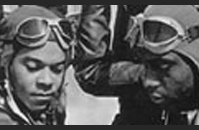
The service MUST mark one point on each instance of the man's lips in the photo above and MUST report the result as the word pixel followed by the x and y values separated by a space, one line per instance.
pixel 157 97
pixel 43 96
pixel 155 93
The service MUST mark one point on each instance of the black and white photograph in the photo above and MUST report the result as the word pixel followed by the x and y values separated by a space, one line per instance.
pixel 99 64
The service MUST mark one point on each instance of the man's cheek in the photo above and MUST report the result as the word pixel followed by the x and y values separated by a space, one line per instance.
pixel 26 86
pixel 26 77
pixel 27 81
pixel 180 73
pixel 170 87
pixel 176 89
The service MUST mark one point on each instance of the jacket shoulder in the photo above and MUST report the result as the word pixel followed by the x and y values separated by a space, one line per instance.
pixel 5 118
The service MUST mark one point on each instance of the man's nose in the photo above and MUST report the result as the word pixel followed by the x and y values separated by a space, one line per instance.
pixel 151 83
pixel 45 80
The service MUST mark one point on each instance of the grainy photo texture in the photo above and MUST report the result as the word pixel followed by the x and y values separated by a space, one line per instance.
pixel 99 65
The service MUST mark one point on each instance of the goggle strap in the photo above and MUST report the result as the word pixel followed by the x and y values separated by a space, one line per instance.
pixel 61 31
pixel 63 44
pixel 73 43
pixel 132 28
pixel 133 34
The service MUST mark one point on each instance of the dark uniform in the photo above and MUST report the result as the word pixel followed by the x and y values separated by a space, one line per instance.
pixel 104 72
pixel 105 69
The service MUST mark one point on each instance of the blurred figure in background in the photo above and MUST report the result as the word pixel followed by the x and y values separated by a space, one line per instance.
pixel 153 71
pixel 105 68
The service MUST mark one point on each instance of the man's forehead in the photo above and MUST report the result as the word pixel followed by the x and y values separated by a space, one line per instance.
pixel 50 53
pixel 172 56
pixel 171 59
pixel 41 61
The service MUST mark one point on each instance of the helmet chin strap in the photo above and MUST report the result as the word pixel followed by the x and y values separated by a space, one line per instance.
pixel 12 104
pixel 58 105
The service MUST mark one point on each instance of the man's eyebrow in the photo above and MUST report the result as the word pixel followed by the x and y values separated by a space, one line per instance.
pixel 166 61
pixel 61 62
pixel 26 59
pixel 160 61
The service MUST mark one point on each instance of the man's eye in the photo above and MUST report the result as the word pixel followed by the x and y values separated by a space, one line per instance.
pixel 33 67
pixel 161 64
pixel 165 66
pixel 57 69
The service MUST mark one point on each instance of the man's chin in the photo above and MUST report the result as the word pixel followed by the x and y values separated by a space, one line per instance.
pixel 163 103
pixel 158 100
pixel 38 107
